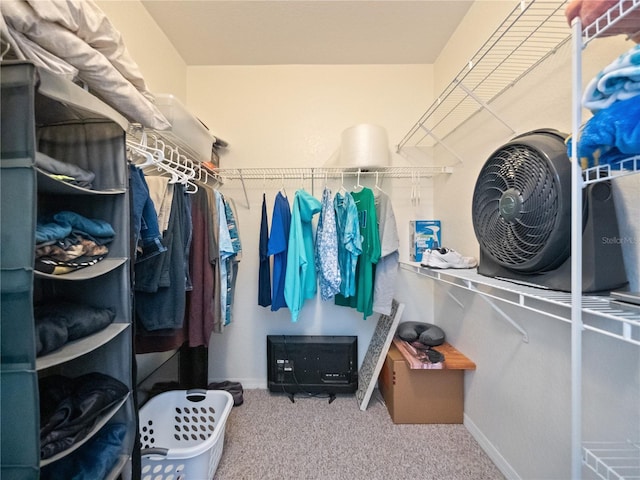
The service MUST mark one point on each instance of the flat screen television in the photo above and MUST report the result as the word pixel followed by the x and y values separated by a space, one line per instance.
pixel 312 363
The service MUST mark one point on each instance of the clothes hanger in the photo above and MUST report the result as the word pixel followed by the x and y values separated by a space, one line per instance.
pixel 377 186
pixel 342 191
pixel 135 152
pixel 358 187
pixel 415 188
pixel 163 167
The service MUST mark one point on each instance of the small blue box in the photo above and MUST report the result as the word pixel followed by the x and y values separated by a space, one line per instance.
pixel 423 234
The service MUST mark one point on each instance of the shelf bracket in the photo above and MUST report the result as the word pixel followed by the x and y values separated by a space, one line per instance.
pixel 244 189
pixel 453 297
pixel 440 142
pixel 483 104
pixel 525 336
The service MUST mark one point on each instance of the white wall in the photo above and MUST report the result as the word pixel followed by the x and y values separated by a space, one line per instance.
pixel 163 68
pixel 293 116
pixel 517 401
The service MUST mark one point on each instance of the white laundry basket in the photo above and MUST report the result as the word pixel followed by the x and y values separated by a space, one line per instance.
pixel 182 434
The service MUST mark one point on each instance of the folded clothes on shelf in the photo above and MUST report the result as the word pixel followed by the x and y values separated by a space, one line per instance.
pixel 70 407
pixel 57 323
pixel 611 135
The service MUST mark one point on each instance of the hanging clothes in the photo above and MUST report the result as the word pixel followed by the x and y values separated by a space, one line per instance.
pixel 386 270
pixel 349 241
pixel 300 278
pixel 201 312
pixel 234 259
pixel 213 224
pixel 160 280
pixel 368 223
pixel 225 247
pixel 278 246
pixel 146 233
pixel 264 271
pixel 326 252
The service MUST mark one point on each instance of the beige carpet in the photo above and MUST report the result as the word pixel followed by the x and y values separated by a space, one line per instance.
pixel 269 437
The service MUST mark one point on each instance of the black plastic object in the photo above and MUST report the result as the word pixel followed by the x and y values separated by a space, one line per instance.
pixel 312 363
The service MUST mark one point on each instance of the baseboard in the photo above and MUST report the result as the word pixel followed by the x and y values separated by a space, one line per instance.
pixel 247 383
pixel 491 450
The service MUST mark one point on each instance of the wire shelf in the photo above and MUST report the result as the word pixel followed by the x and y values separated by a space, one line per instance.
pixel 607 172
pixel 528 35
pixel 603 316
pixel 603 25
pixel 332 172
pixel 613 460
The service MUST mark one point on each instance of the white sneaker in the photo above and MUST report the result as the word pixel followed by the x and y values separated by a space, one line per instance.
pixel 448 258
pixel 425 257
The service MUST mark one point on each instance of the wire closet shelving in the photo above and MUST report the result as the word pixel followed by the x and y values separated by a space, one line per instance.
pixel 530 33
pixel 608 460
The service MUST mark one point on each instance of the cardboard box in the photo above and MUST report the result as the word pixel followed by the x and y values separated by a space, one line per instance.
pixel 423 234
pixel 423 396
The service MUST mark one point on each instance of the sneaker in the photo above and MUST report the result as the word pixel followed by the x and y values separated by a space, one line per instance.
pixel 448 258
pixel 425 256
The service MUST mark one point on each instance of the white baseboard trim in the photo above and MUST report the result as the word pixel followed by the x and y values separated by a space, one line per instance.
pixel 493 453
pixel 247 383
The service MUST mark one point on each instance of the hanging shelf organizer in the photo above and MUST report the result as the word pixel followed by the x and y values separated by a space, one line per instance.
pixel 532 32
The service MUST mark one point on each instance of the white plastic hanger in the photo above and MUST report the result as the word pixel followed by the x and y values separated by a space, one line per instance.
pixel 357 187
pixel 342 191
pixel 377 186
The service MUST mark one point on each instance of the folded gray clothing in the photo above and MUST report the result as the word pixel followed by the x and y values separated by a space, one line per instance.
pixel 61 322
pixel 81 177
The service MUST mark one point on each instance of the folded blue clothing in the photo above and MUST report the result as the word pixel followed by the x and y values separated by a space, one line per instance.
pixel 611 135
pixel 51 231
pixel 61 224
pixel 96 229
pixel 93 460
pixel 620 80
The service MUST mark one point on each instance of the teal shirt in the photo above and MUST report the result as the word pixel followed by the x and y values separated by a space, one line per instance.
pixel 365 269
pixel 300 280
pixel 349 241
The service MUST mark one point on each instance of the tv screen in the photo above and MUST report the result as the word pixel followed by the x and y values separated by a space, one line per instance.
pixel 312 363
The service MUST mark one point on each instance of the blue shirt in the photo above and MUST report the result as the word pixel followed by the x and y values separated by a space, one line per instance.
pixel 278 245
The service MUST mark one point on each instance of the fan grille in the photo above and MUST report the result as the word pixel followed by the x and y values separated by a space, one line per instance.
pixel 515 205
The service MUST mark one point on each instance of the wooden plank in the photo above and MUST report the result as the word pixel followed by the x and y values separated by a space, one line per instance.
pixel 453 359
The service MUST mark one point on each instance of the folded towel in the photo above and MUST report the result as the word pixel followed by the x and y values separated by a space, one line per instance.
pixel 612 134
pixel 620 80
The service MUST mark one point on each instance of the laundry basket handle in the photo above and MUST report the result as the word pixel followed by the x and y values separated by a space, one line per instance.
pixel 196 394
pixel 147 452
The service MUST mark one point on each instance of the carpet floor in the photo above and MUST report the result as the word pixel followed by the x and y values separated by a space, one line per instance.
pixel 269 437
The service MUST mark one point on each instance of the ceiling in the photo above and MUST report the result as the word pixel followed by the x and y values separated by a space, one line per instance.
pixel 266 32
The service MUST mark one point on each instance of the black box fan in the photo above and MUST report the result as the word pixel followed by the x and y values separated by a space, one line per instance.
pixel 522 218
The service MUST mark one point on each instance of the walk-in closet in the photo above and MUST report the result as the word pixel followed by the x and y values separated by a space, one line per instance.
pixel 196 196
